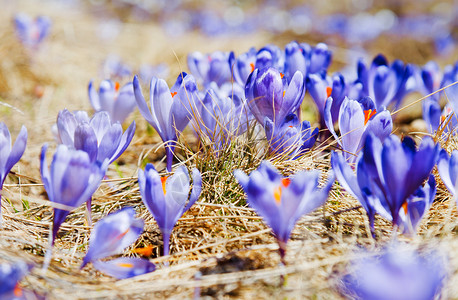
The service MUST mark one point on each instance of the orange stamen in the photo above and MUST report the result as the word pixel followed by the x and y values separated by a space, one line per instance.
pixel 125 265
pixel 173 94
pixel 145 251
pixel 163 181
pixel 252 67
pixel 284 92
pixel 282 75
pixel 328 92
pixel 17 291
pixel 443 119
pixel 368 114
pixel 404 205
pixel 116 86
pixel 285 182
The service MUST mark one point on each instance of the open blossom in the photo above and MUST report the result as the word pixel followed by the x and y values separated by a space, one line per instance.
pixel 398 273
pixel 9 156
pixel 111 235
pixel 118 102
pixel 269 95
pixel 31 32
pixel 167 197
pixel 70 181
pixel 389 179
pixel 171 109
pixel 385 84
pixel 357 119
pixel 242 65
pixel 282 201
pixel 97 136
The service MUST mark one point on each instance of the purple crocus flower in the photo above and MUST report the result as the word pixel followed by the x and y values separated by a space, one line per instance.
pixel 9 156
pixel 114 67
pixel 119 103
pixel 97 136
pixel 297 58
pixel 270 56
pixel 10 275
pixel 388 178
pixel 124 267
pixel 167 197
pixel 171 109
pixel 111 236
pixel 386 84
pixel 31 32
pixel 221 118
pixel 282 201
pixel 210 67
pixel 71 181
pixel 398 273
pixel 243 65
pixel 269 95
pixel 320 59
pixel 292 136
pixel 356 120
pixel 448 170
pixel 428 81
pixel 321 87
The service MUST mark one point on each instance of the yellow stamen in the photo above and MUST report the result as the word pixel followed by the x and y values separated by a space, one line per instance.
pixel 125 265
pixel 328 91
pixel 284 92
pixel 277 195
pixel 368 114
pixel 163 181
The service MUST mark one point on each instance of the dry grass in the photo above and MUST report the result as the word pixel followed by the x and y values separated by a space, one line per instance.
pixel 220 248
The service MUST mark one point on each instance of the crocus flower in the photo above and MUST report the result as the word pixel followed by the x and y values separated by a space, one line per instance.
pixel 124 267
pixel 292 136
pixel 167 198
pixel 171 109
pixel 71 181
pixel 321 87
pixel 268 95
pixel 448 170
pixel 428 81
pixel 385 84
pixel 97 136
pixel 388 178
pixel 9 156
pixel 111 236
pixel 213 67
pixel 356 120
pixel 119 103
pixel 308 60
pixel 10 275
pixel 398 273
pixel 31 32
pixel 282 201
pixel 114 67
pixel 221 118
pixel 243 65
pixel 270 56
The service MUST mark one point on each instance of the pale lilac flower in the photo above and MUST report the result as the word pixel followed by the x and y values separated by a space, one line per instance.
pixel 167 197
pixel 398 273
pixel 111 235
pixel 9 156
pixel 118 102
pixel 31 32
pixel 71 181
pixel 281 201
pixel 171 109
